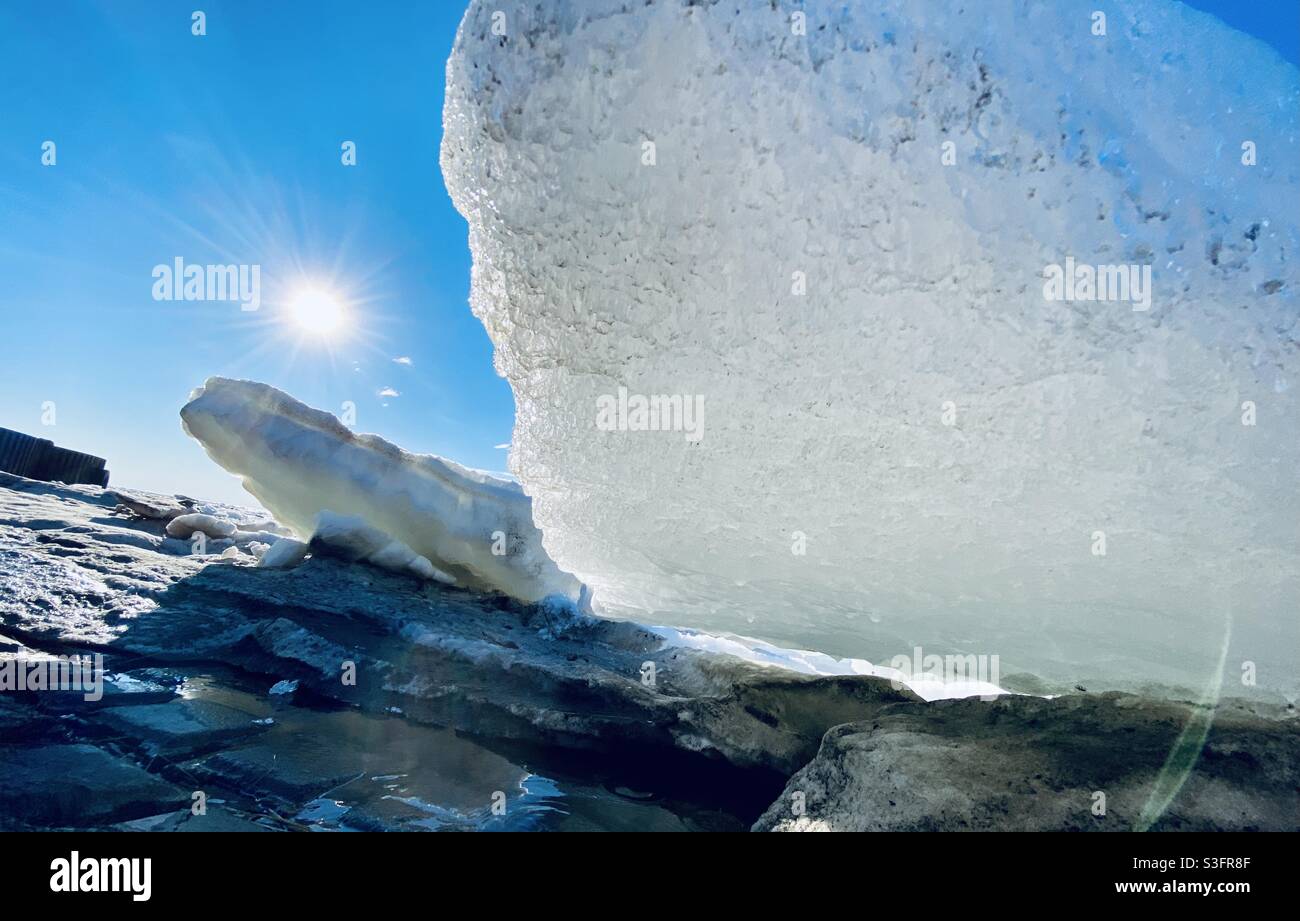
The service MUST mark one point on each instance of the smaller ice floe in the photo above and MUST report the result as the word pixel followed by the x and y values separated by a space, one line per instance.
pixel 183 526
pixel 284 688
pixel 299 462
pixel 805 662
pixel 285 553
pixel 223 525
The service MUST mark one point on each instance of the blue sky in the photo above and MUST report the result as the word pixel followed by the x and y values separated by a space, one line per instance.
pixel 225 148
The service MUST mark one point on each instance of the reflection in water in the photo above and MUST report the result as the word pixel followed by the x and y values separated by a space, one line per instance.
pixel 345 770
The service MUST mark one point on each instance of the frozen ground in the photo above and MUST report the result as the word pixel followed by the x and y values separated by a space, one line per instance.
pixel 904 443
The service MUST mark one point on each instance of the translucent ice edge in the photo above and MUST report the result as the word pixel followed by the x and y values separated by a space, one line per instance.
pixel 806 662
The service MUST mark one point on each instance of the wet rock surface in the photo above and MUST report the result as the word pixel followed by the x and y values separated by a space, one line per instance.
pixel 335 695
pixel 454 697
pixel 78 784
pixel 1024 763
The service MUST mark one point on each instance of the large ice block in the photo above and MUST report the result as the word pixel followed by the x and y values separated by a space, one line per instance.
pixel 832 223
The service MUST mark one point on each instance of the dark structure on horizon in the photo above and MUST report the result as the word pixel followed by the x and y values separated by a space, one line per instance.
pixel 42 459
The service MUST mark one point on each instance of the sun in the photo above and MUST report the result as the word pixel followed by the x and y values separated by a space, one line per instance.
pixel 318 312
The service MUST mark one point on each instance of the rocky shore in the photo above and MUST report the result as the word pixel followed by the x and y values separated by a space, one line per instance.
pixel 338 695
pixel 1088 762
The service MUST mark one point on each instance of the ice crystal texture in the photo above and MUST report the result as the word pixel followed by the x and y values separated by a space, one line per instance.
pixel 648 186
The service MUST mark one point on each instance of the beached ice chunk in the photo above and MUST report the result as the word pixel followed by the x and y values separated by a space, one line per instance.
pixel 184 526
pixel 285 553
pixel 426 515
pixel 831 222
pixel 257 548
